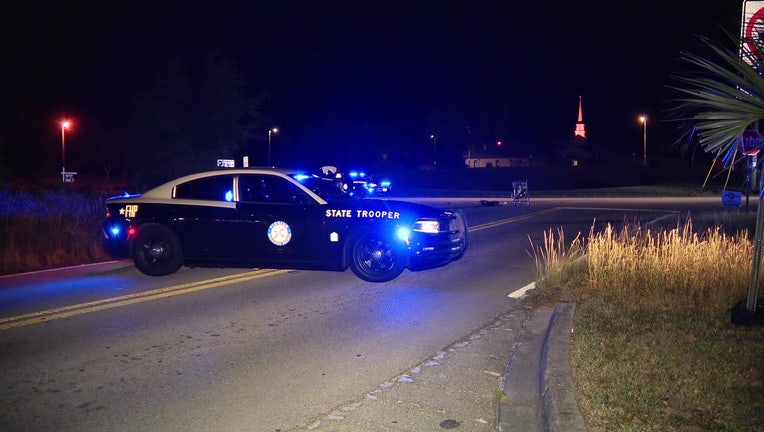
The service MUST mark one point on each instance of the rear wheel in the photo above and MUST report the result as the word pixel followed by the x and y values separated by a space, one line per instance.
pixel 156 250
pixel 374 258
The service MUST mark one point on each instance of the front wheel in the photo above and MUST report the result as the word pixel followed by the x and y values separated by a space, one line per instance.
pixel 157 251
pixel 461 227
pixel 374 258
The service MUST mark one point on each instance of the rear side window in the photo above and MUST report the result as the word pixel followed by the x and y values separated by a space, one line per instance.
pixel 215 188
pixel 270 189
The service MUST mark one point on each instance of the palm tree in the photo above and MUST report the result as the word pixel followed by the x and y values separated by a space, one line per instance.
pixel 722 98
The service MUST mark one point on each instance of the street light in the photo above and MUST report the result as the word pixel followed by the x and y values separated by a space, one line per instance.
pixel 643 120
pixel 434 149
pixel 64 126
pixel 271 132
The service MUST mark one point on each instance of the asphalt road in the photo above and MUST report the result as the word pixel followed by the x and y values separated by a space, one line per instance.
pixel 103 347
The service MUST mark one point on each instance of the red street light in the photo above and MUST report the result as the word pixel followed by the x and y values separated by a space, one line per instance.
pixel 65 124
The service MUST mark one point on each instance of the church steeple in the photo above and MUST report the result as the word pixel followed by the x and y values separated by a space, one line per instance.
pixel 580 129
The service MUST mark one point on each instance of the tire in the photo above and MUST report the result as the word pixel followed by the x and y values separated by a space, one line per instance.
pixel 374 258
pixel 157 251
pixel 463 229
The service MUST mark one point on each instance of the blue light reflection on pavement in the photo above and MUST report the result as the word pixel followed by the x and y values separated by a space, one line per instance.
pixel 401 306
pixel 406 307
pixel 27 293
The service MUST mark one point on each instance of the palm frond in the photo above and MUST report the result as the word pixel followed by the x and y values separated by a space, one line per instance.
pixel 721 99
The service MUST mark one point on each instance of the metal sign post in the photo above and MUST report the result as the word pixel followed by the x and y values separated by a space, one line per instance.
pixel 753 288
pixel 750 144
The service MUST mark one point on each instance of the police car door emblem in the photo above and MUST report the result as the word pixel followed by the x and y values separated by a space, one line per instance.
pixel 279 233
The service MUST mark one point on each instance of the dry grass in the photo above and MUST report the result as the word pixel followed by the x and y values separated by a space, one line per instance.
pixel 675 269
pixel 49 230
pixel 653 347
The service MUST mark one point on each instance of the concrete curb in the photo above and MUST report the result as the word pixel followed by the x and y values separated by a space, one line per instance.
pixel 558 391
pixel 539 388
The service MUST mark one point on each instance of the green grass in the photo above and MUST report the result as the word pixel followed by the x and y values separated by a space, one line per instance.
pixel 653 348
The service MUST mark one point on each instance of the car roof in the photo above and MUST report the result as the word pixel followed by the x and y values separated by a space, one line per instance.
pixel 164 190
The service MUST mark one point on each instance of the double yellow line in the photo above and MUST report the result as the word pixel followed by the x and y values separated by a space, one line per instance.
pixel 114 302
pixel 509 220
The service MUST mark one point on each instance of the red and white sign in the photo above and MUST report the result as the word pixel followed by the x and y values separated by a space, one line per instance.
pixel 751 142
pixel 752 30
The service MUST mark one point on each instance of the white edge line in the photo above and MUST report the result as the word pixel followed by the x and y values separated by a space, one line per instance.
pixel 521 292
pixel 77 266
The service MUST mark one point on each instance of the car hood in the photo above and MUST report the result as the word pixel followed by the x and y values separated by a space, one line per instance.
pixel 407 210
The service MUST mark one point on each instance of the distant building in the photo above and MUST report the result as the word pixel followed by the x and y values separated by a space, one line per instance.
pixel 493 158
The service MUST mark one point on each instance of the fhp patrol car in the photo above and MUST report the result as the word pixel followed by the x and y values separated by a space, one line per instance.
pixel 276 218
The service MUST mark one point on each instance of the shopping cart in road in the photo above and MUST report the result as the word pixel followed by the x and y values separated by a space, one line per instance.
pixel 520 192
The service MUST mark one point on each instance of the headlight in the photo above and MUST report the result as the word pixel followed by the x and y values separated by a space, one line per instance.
pixel 427 226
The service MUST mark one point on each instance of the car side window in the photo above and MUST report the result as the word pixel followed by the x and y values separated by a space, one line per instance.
pixel 215 188
pixel 270 189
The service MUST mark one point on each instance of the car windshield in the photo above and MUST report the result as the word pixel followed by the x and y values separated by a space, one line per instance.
pixel 326 188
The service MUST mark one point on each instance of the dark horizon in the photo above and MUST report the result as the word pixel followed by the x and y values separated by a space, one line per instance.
pixel 348 82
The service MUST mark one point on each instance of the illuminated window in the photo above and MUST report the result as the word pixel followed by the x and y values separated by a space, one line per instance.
pixel 214 188
pixel 269 188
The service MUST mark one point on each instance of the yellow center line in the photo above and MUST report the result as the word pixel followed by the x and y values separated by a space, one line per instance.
pixel 509 220
pixel 114 302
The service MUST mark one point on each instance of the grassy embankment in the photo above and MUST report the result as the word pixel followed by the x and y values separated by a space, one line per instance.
pixel 653 348
pixel 48 230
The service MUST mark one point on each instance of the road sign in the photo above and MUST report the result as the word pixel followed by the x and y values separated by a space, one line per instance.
pixel 68 176
pixel 750 142
pixel 752 31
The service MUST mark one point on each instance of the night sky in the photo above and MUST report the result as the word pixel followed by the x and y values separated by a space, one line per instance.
pixel 353 77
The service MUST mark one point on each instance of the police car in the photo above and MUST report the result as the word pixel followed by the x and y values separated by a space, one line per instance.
pixel 277 218
pixel 358 182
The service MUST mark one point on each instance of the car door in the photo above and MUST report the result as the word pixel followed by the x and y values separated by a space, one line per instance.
pixel 279 224
pixel 204 217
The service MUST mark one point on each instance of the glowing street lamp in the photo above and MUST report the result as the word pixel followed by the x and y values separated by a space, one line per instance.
pixel 643 120
pixel 64 126
pixel 434 149
pixel 271 131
